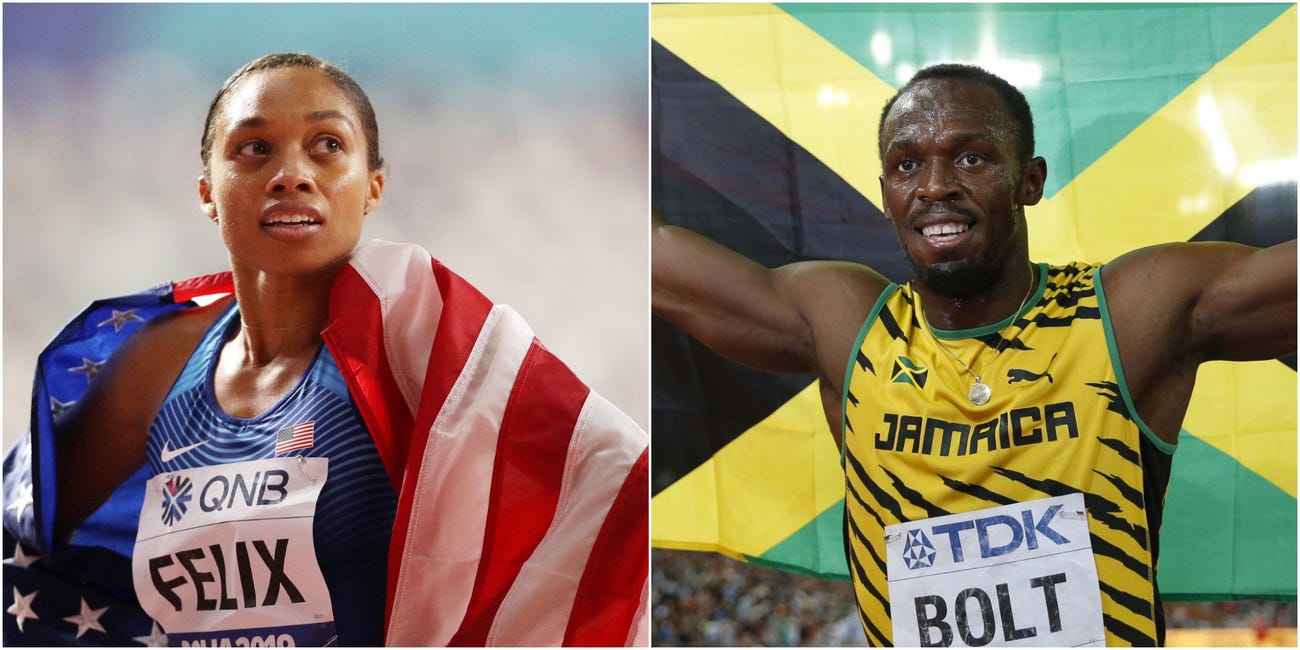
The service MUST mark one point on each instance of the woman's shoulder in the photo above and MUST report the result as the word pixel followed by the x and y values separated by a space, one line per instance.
pixel 141 370
pixel 173 333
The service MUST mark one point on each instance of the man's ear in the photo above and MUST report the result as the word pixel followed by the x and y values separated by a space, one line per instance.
pixel 1032 179
pixel 205 198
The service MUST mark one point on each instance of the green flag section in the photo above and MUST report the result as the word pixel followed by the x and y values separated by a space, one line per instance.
pixel 1159 123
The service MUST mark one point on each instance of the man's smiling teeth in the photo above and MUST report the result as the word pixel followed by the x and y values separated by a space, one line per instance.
pixel 290 219
pixel 944 229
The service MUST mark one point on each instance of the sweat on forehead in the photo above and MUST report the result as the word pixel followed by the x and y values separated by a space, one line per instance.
pixel 932 103
pixel 947 83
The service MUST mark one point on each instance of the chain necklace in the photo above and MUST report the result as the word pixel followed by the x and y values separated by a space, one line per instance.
pixel 980 392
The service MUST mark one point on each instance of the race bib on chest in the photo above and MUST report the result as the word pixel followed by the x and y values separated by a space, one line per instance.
pixel 224 555
pixel 1021 574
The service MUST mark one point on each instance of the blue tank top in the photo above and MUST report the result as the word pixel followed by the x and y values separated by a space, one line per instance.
pixel 354 509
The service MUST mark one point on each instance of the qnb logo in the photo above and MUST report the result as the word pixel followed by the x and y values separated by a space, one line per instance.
pixel 918 552
pixel 907 371
pixel 1011 533
pixel 176 497
pixel 240 490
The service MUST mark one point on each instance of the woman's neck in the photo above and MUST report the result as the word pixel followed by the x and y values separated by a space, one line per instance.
pixel 280 316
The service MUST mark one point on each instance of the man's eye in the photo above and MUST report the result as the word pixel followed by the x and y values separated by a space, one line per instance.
pixel 906 166
pixel 254 149
pixel 972 159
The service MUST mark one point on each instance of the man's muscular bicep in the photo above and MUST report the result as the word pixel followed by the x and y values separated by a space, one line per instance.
pixel 1198 302
pixel 770 319
pixel 1247 310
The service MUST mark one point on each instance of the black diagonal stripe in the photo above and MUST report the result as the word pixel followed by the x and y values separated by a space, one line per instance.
pixel 913 497
pixel 1124 451
pixel 721 170
pixel 1114 402
pixel 865 506
pixel 977 491
pixel 1101 509
pixel 1130 493
pixel 887 320
pixel 1264 217
pixel 1131 635
pixel 1050 487
pixel 878 638
pixel 881 497
pixel 861 573
pixel 1131 602
pixel 701 128
pixel 865 362
pixel 1041 319
pixel 1107 513
pixel 1072 298
pixel 1105 549
pixel 880 562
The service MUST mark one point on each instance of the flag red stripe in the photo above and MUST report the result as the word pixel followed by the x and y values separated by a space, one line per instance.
pixel 614 580
pixel 355 338
pixel 530 459
pixel 464 311
pixel 204 285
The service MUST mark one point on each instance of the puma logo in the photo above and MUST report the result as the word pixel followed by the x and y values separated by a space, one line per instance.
pixel 1016 374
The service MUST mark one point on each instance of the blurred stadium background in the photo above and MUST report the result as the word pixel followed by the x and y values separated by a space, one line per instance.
pixel 707 599
pixel 515 137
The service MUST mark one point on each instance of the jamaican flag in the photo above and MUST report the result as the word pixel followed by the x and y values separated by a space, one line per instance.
pixel 1159 123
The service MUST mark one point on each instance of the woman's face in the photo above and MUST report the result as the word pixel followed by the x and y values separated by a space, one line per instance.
pixel 288 182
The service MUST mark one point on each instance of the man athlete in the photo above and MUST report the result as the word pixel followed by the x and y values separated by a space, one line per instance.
pixel 955 453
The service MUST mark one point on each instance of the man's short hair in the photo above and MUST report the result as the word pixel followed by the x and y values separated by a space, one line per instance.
pixel 1017 106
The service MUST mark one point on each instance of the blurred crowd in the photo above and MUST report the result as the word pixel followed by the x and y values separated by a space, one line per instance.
pixel 706 599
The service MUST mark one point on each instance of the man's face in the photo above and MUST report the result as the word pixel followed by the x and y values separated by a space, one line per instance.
pixel 953 186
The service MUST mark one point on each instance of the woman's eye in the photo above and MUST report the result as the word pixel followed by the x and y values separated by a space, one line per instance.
pixel 327 145
pixel 254 149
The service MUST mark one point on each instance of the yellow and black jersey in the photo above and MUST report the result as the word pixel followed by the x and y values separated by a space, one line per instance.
pixel 1059 421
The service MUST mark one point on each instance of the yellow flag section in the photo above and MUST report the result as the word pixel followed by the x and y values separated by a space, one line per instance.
pixel 787 74
pixel 1228 133
pixel 755 494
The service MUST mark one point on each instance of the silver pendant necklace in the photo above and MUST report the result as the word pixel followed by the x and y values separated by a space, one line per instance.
pixel 980 393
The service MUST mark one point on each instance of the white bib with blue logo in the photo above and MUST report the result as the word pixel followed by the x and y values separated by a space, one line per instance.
pixel 224 554
pixel 1020 574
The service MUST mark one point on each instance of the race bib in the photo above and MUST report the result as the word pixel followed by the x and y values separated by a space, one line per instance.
pixel 1021 574
pixel 224 555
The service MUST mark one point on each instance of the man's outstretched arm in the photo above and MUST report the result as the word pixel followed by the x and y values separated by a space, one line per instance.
pixel 1176 306
pixel 801 317
pixel 1247 310
pixel 1210 301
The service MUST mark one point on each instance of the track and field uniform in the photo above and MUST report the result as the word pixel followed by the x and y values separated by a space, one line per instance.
pixel 273 528
pixel 967 522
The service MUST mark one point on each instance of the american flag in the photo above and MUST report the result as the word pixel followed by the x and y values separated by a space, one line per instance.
pixel 540 485
pixel 298 436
